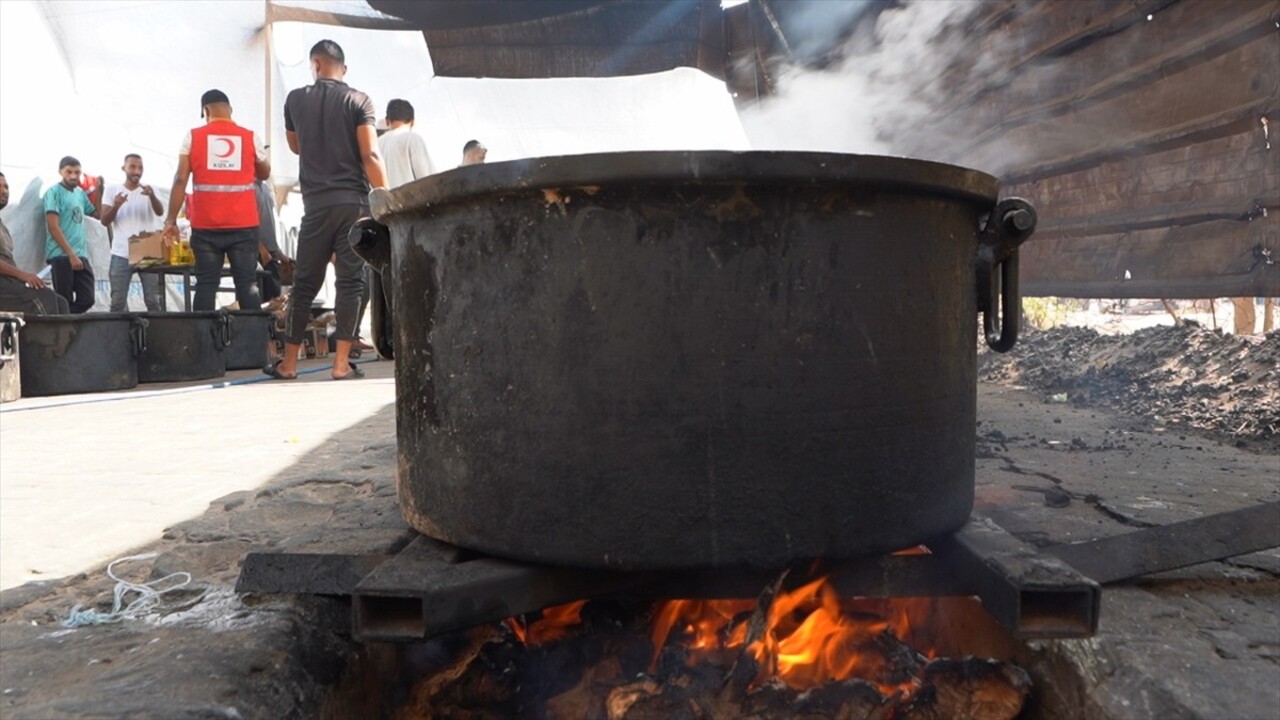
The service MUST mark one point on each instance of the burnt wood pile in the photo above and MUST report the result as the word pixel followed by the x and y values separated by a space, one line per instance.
pixel 604 668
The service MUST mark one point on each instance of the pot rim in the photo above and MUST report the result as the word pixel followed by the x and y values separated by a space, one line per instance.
pixel 756 167
pixel 177 315
pixel 79 317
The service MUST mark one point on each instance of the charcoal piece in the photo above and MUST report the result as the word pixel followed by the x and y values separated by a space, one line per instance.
pixel 587 698
pixel 969 689
pixel 468 688
pixel 648 700
pixel 889 661
pixel 848 700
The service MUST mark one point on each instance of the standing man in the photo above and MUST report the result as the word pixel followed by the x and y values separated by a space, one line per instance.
pixel 223 159
pixel 404 154
pixel 65 206
pixel 473 153
pixel 130 209
pixel 403 151
pixel 330 125
pixel 21 291
pixel 273 262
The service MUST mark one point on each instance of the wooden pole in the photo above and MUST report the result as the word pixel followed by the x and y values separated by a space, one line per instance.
pixel 266 77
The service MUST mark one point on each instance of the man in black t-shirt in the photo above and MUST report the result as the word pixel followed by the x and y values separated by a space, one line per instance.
pixel 330 125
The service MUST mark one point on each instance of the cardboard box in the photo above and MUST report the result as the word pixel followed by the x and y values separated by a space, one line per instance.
pixel 315 344
pixel 146 245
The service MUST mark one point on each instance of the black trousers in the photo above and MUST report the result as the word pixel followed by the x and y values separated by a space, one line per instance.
pixel 15 296
pixel 240 248
pixel 76 286
pixel 323 235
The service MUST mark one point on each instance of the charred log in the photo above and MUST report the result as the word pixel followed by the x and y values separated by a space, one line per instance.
pixel 969 689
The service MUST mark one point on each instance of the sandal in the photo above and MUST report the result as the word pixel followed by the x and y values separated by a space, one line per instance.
pixel 355 374
pixel 274 371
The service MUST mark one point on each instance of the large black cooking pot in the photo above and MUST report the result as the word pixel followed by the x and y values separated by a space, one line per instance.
pixel 184 346
pixel 92 352
pixel 688 360
pixel 251 333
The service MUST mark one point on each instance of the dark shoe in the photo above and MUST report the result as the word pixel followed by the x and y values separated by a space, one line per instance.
pixel 274 371
pixel 355 374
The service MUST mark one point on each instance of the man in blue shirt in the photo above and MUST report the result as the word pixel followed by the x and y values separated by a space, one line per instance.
pixel 65 249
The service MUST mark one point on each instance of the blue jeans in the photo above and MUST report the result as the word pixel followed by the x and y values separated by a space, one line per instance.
pixel 240 247
pixel 121 275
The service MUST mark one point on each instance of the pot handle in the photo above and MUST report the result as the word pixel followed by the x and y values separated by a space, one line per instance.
pixel 1009 225
pixel 222 329
pixel 372 241
pixel 9 338
pixel 138 334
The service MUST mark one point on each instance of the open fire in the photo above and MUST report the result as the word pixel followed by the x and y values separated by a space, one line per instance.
pixel 809 636
pixel 803 652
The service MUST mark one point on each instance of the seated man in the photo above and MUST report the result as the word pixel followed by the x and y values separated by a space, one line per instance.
pixel 21 291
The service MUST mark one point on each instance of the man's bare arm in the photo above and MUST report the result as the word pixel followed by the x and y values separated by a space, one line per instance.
pixel 156 207
pixel 107 215
pixel 177 195
pixel 14 271
pixel 367 140
pixel 55 229
pixel 292 138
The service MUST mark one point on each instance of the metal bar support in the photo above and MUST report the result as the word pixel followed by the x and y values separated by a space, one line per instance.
pixel 1176 545
pixel 1032 594
pixel 414 596
pixel 304 573
pixel 431 587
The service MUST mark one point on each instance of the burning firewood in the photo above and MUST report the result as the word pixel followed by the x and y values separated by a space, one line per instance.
pixel 587 699
pixel 437 695
pixel 969 689
pixel 649 700
pixel 847 700
pixel 802 655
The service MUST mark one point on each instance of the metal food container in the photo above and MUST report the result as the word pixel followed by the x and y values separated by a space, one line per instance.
pixel 691 359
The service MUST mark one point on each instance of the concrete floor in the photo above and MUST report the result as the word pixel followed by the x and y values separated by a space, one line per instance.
pixel 84 478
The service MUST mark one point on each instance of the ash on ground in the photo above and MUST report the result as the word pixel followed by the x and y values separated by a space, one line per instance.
pixel 1183 377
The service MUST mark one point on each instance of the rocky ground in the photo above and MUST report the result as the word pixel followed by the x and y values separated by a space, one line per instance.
pixel 1175 377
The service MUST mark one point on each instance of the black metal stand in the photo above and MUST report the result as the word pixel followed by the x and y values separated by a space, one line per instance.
pixel 431 588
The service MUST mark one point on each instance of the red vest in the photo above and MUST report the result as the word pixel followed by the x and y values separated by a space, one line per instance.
pixel 222 159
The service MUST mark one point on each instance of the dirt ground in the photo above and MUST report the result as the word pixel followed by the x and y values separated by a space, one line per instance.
pixel 1184 377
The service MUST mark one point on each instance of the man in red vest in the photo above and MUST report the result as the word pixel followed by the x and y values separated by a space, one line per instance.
pixel 223 159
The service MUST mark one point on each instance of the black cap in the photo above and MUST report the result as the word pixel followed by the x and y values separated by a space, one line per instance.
pixel 210 97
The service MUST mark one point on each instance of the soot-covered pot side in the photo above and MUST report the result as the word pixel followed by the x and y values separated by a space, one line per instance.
pixel 687 360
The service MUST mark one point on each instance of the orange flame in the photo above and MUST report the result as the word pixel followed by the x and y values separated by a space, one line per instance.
pixel 553 625
pixel 810 637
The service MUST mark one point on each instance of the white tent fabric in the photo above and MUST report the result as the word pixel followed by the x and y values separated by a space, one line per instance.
pixel 101 78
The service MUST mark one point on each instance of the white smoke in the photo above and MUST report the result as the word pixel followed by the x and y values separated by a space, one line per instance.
pixel 886 84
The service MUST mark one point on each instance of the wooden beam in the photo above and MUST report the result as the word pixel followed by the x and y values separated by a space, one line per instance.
pixel 291 13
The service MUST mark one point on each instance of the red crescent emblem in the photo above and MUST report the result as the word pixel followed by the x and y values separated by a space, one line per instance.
pixel 231 147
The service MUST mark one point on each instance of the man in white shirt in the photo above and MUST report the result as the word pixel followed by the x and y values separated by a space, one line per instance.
pixel 128 209
pixel 473 153
pixel 403 151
